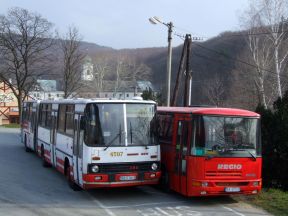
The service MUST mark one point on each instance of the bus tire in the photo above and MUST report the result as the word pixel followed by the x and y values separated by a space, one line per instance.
pixel 165 181
pixel 70 181
pixel 44 162
pixel 25 144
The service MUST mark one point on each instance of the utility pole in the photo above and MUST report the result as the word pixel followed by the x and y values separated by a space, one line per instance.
pixel 179 74
pixel 154 20
pixel 169 62
pixel 187 90
pixel 185 59
pixel 186 72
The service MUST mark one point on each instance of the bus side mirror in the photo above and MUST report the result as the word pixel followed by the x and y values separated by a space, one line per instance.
pixel 82 123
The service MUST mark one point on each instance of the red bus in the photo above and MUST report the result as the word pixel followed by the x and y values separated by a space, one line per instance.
pixel 210 151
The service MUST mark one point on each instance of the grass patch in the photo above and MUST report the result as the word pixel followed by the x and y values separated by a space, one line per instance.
pixel 11 126
pixel 273 201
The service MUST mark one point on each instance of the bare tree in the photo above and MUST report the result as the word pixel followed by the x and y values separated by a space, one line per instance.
pixel 215 91
pixel 270 16
pixel 72 61
pixel 260 48
pixel 101 68
pixel 129 69
pixel 138 70
pixel 273 13
pixel 25 38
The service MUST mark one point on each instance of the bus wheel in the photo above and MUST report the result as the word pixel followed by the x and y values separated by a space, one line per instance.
pixel 70 181
pixel 44 162
pixel 25 145
pixel 165 182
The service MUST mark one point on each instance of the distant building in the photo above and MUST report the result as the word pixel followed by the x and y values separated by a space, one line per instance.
pixel 46 90
pixel 145 85
pixel 126 89
pixel 9 112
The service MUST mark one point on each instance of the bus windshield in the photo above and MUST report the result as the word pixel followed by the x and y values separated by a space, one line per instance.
pixel 226 136
pixel 106 124
pixel 140 123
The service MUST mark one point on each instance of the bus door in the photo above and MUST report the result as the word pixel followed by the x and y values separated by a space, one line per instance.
pixel 77 150
pixel 53 138
pixel 182 144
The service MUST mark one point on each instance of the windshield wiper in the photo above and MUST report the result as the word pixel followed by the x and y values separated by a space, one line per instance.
pixel 117 135
pixel 245 150
pixel 253 156
pixel 146 147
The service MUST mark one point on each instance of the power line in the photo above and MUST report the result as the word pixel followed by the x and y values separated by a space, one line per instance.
pixel 231 58
pixel 233 35
pixel 181 36
pixel 235 59
pixel 226 66
pixel 251 34
pixel 238 60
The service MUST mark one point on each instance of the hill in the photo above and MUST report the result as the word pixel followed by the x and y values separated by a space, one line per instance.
pixel 219 73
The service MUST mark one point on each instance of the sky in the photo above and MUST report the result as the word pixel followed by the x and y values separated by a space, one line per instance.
pixel 124 23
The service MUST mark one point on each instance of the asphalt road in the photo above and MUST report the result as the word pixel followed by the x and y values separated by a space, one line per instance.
pixel 26 188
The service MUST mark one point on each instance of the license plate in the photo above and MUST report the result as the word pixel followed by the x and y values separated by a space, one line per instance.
pixel 232 189
pixel 127 178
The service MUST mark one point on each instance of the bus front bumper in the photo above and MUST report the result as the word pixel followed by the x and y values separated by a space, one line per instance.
pixel 91 181
pixel 218 188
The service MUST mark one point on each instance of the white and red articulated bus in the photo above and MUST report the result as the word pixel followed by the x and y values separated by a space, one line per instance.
pixel 95 143
pixel 210 151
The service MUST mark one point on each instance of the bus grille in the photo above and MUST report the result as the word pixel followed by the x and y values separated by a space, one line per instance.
pixel 131 167
pixel 232 184
pixel 223 173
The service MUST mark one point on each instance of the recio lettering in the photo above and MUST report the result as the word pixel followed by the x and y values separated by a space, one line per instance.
pixel 229 166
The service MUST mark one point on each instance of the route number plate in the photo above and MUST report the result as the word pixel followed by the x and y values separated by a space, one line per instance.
pixel 127 178
pixel 232 189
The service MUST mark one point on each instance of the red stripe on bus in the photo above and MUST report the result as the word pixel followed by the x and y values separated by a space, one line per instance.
pixel 47 152
pixel 60 169
pixel 60 161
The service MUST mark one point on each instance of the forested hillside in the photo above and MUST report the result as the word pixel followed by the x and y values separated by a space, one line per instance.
pixel 222 72
pixel 219 71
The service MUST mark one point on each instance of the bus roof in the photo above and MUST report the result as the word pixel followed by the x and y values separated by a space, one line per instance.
pixel 100 100
pixel 209 111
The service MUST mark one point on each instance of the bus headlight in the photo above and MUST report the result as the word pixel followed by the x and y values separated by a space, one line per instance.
pixel 256 183
pixel 154 166
pixel 95 168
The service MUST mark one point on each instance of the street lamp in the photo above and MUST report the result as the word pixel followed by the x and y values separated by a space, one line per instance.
pixel 155 20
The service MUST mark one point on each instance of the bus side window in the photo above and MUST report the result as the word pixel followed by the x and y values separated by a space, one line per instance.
pixel 165 128
pixel 69 119
pixel 93 131
pixel 61 118
pixel 182 137
pixel 179 136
